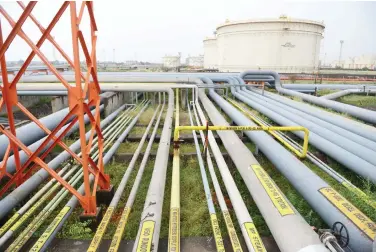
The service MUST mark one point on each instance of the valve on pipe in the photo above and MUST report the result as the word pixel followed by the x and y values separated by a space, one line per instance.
pixel 335 239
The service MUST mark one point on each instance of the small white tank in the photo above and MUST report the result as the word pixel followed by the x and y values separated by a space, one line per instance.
pixel 210 53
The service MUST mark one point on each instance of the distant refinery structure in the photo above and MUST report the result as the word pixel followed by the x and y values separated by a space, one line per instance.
pixel 359 62
pixel 282 44
pixel 171 61
pixel 195 61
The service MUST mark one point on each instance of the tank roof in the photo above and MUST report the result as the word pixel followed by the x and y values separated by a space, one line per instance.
pixel 281 19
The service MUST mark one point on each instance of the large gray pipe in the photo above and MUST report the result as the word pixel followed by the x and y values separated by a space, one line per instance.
pixel 20 193
pixel 363 114
pixel 343 156
pixel 291 232
pixel 11 165
pixel 302 178
pixel 332 134
pixel 343 122
pixel 341 93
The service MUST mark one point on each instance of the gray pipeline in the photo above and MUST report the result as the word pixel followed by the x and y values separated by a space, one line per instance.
pixel 302 178
pixel 21 192
pixel 363 114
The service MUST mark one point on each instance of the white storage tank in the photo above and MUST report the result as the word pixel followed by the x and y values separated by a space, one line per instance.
pixel 210 53
pixel 171 61
pixel 285 45
pixel 195 61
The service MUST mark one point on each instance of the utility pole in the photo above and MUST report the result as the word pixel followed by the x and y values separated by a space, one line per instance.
pixel 340 52
pixel 113 56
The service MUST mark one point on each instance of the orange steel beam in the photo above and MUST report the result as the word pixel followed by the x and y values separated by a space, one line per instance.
pixel 50 38
pixel 80 99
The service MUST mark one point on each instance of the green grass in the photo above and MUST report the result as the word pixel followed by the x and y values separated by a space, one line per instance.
pixel 359 100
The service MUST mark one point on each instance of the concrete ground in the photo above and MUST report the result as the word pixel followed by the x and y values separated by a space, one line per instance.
pixel 191 244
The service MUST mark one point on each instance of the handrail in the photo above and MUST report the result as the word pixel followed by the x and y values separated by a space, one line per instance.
pixel 270 129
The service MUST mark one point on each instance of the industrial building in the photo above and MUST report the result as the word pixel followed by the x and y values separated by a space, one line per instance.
pixel 357 62
pixel 195 61
pixel 171 61
pixel 282 44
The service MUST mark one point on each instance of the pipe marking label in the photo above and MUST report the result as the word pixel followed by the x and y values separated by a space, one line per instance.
pixel 100 230
pixel 232 232
pixel 146 237
pixel 6 226
pixel 365 224
pixel 272 190
pixel 25 216
pixel 51 228
pixel 217 233
pixel 174 236
pixel 119 230
pixel 255 238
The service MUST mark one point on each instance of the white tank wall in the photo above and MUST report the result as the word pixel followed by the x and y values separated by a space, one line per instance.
pixel 284 46
pixel 171 61
pixel 210 54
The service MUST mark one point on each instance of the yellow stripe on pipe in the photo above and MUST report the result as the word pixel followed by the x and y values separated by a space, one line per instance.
pixel 273 192
pixel 254 237
pixel 115 243
pixel 217 233
pixel 146 237
pixel 51 228
pixel 362 195
pixel 174 231
pixel 7 225
pixel 365 224
pixel 232 232
pixel 101 230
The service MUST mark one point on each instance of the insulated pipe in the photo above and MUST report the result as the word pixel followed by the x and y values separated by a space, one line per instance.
pixel 151 215
pixel 20 193
pixel 326 125
pixel 363 114
pixel 336 135
pixel 40 93
pixel 289 229
pixel 11 165
pixel 47 237
pixel 299 87
pixel 341 93
pixel 308 184
pixel 343 156
pixel 358 128
pixel 115 243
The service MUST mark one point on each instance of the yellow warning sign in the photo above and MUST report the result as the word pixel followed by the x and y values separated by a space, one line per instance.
pixel 351 212
pixel 51 228
pixel 100 230
pixel 232 232
pixel 146 237
pixel 217 233
pixel 174 235
pixel 253 235
pixel 119 230
pixel 272 190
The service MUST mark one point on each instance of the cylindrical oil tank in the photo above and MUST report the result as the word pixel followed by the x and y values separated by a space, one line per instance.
pixel 284 45
pixel 210 53
pixel 171 61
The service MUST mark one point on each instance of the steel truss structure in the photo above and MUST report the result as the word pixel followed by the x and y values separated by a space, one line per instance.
pixel 83 95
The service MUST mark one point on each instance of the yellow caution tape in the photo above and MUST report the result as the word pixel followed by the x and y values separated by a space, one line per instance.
pixel 174 232
pixel 115 243
pixel 366 225
pixel 6 226
pixel 232 232
pixel 101 230
pixel 146 237
pixel 51 228
pixel 253 235
pixel 217 233
pixel 272 190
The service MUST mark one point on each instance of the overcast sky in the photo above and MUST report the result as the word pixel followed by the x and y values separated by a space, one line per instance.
pixel 146 30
